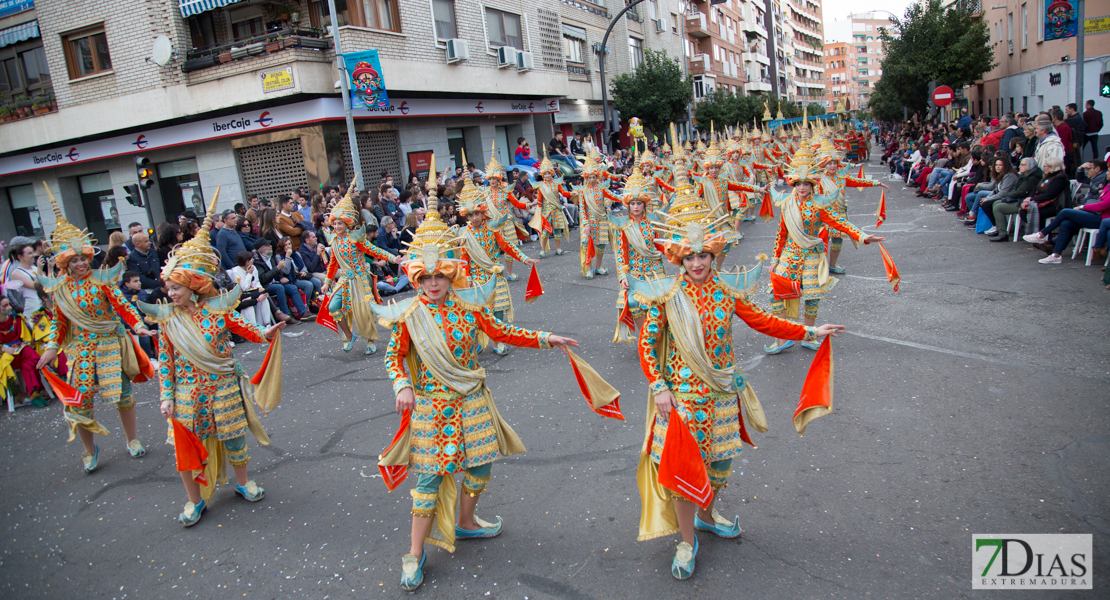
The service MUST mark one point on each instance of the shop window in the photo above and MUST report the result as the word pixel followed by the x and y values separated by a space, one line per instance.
pixel 503 29
pixel 179 184
pixel 98 200
pixel 25 210
pixel 86 52
pixel 443 11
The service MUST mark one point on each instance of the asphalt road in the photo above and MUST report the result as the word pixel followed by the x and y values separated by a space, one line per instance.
pixel 973 401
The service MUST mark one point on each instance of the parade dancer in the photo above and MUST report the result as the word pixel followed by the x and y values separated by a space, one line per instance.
pixel 595 221
pixel 203 386
pixel 483 249
pixel 551 210
pixel 431 361
pixel 349 253
pixel 88 325
pixel 800 268
pixel 502 201
pixel 834 181
pixel 686 354
pixel 638 256
pixel 17 352
pixel 714 190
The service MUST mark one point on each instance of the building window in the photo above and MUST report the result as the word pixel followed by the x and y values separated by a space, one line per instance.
pixel 443 11
pixel 674 23
pixel 25 211
pixel 635 52
pixel 247 22
pixel 653 10
pixel 87 52
pixel 381 14
pixel 574 44
pixel 1024 27
pixel 503 29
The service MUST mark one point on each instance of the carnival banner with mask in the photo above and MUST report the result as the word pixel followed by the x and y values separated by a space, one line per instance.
pixel 1060 20
pixel 366 83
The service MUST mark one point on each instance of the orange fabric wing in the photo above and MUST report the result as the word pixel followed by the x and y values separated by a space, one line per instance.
pixel 190 452
pixel 547 226
pixel 767 208
pixel 626 314
pixel 535 287
pixel 146 370
pixel 591 251
pixel 257 379
pixel 681 467
pixel 860 176
pixel 783 288
pixel 393 475
pixel 817 392
pixel 891 269
pixel 603 398
pixel 65 392
pixel 881 213
pixel 324 316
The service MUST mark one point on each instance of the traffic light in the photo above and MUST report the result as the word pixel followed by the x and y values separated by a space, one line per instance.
pixel 1104 86
pixel 134 196
pixel 145 172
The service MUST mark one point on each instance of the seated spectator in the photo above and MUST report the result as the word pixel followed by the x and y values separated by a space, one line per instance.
pixel 228 240
pixel 254 303
pixel 388 239
pixel 271 274
pixel 130 285
pixel 132 229
pixel 311 254
pixel 18 353
pixel 144 261
pixel 1049 197
pixel 523 154
pixel 558 151
pixel 117 239
pixel 1092 173
pixel 295 272
pixel 999 209
pixel 244 228
pixel 368 203
pixel 388 283
pixel 169 236
pixel 114 257
pixel 407 233
pixel 1069 221
pixel 1003 179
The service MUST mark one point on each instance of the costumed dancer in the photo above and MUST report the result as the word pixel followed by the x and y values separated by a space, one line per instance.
pixel 800 268
pixel 431 361
pixel 834 181
pixel 714 190
pixel 594 232
pixel 204 389
pixel 17 352
pixel 89 316
pixel 638 256
pixel 351 253
pixel 686 354
pixel 482 251
pixel 652 184
pixel 502 201
pixel 551 222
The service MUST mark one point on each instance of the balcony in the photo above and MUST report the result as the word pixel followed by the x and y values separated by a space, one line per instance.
pixel 268 43
pixel 753 28
pixel 701 63
pixel 758 86
pixel 27 107
pixel 755 56
pixel 696 25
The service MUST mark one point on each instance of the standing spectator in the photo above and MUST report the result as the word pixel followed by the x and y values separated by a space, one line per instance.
pixel 965 120
pixel 268 229
pixel 287 223
pixel 1078 128
pixel 1049 144
pixel 304 210
pixel 1066 138
pixel 169 236
pixel 249 239
pixel 132 229
pixel 254 213
pixel 271 274
pixel 311 254
pixel 1092 124
pixel 22 259
pixel 228 241
pixel 145 262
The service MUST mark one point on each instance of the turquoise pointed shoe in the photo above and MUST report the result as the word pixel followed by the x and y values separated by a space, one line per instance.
pixel 772 349
pixel 721 527
pixel 90 461
pixel 251 492
pixel 560 252
pixel 370 349
pixel 412 571
pixel 811 345
pixel 350 344
pixel 485 530
pixel 682 567
pixel 838 270
pixel 192 513
pixel 603 271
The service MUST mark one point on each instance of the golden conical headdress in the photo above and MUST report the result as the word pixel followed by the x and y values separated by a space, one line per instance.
pixel 345 209
pixel 594 163
pixel 434 244
pixel 766 112
pixel 195 263
pixel 636 183
pixel 494 168
pixel 471 198
pixel 547 165
pixel 646 157
pixel 802 164
pixel 67 240
pixel 689 227
pixel 713 152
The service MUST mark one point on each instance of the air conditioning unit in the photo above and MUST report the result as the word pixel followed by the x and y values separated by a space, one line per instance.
pixel 660 26
pixel 457 50
pixel 525 62
pixel 506 57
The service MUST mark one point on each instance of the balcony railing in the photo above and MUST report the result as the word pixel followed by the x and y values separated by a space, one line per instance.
pixel 273 41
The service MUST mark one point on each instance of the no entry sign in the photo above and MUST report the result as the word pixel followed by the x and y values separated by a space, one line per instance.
pixel 942 96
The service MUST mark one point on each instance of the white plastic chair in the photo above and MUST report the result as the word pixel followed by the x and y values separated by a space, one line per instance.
pixel 1075 185
pixel 1016 220
pixel 1088 236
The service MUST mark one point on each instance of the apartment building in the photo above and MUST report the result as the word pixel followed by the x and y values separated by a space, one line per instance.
pixel 867 39
pixel 242 94
pixel 842 76
pixel 797 47
pixel 727 47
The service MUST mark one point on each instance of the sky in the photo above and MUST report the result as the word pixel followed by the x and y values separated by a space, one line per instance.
pixel 835 14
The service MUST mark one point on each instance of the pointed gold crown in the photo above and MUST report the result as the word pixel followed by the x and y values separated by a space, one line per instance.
pixel 494 168
pixel 689 227
pixel 779 115
pixel 65 237
pixel 470 198
pixel 676 146
pixel 345 209
pixel 713 153
pixel 802 163
pixel 594 163
pixel 766 112
pixel 646 157
pixel 547 165
pixel 196 257
pixel 636 182
pixel 433 243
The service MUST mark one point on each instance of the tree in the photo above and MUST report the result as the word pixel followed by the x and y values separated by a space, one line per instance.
pixel 730 109
pixel 655 92
pixel 929 43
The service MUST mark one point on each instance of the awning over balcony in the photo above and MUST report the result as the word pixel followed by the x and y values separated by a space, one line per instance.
pixel 195 7
pixel 19 33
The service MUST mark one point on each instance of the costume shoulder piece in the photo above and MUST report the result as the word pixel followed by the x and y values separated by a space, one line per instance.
pixel 619 220
pixel 393 312
pixel 741 284
pixel 159 312
pixel 477 297
pixel 654 291
pixel 108 275
pixel 51 284
pixel 225 302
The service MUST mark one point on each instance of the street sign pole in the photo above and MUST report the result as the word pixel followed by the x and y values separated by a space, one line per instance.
pixel 352 141
pixel 1079 57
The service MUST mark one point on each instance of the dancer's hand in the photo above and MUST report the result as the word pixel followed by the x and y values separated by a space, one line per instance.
pixel 167 408
pixel 143 331
pixel 406 400
pixel 664 402
pixel 558 340
pixel 832 330
pixel 47 358
pixel 873 238
pixel 274 329
pixel 624 284
pixel 532 261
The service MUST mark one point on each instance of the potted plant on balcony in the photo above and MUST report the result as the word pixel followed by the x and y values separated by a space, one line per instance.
pixel 23 105
pixel 41 105
pixel 5 114
pixel 225 56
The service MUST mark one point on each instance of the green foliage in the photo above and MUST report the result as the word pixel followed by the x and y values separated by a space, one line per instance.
pixel 729 109
pixel 655 92
pixel 929 43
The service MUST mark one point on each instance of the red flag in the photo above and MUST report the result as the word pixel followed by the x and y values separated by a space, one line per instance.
pixel 535 288
pixel 767 208
pixel 591 252
pixel 393 475
pixel 881 213
pixel 817 392
pixel 783 288
pixel 626 314
pixel 146 370
pixel 65 392
pixel 595 389
pixel 191 454
pixel 860 176
pixel 547 226
pixel 324 316
pixel 681 467
pixel 257 379
pixel 891 270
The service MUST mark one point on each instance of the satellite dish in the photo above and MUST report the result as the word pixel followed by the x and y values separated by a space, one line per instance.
pixel 162 51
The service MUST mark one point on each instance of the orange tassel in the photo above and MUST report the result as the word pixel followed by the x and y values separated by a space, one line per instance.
pixel 603 389
pixel 324 316
pixel 393 475
pixel 535 287
pixel 767 208
pixel 881 213
pixel 817 392
pixel 681 468
pixel 190 452
pixel 65 392
pixel 891 269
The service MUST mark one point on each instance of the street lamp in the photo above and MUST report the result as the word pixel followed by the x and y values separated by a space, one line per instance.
pixel 601 64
